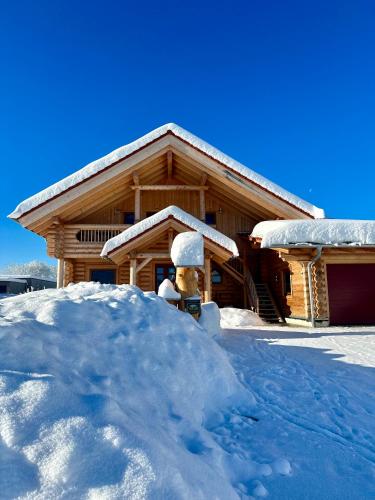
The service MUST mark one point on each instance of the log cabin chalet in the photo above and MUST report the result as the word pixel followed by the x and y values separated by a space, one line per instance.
pixel 114 221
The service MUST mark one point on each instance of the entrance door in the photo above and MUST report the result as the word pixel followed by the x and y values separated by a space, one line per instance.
pixel 162 272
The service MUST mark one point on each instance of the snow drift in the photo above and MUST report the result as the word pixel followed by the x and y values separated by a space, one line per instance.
pixel 231 317
pixel 109 392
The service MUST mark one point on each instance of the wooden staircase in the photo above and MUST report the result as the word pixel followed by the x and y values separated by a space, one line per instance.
pixel 258 296
pixel 268 310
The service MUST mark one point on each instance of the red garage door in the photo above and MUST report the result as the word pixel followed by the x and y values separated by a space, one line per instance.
pixel 351 293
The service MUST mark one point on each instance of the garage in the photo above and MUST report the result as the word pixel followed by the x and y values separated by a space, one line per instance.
pixel 351 294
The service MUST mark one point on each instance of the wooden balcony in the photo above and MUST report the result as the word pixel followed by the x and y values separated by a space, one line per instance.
pixel 87 240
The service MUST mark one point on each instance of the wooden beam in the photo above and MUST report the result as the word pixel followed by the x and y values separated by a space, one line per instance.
pixel 170 238
pixel 170 164
pixel 204 179
pixel 143 264
pixel 147 255
pixel 133 272
pixel 169 187
pixel 60 273
pixel 207 279
pixel 137 205
pixel 202 205
pixel 136 178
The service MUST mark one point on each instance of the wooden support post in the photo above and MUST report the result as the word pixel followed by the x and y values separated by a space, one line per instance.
pixel 170 164
pixel 202 206
pixel 137 205
pixel 207 278
pixel 170 239
pixel 60 273
pixel 133 272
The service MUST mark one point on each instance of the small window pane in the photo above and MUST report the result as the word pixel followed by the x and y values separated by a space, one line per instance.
pixel 210 218
pixel 104 276
pixel 287 283
pixel 129 218
pixel 216 277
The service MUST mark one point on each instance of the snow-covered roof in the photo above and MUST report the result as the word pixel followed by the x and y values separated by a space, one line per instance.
pixel 326 232
pixel 12 279
pixel 123 152
pixel 181 216
pixel 26 276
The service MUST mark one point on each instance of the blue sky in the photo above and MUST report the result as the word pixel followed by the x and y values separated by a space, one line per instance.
pixel 286 87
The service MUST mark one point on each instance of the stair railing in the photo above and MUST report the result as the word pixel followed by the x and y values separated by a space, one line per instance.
pixel 252 295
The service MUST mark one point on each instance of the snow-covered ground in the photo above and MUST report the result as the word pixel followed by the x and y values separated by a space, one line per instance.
pixel 315 403
pixel 107 392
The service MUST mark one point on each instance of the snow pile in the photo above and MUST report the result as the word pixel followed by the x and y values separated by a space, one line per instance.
pixel 175 213
pixel 235 318
pixel 109 392
pixel 168 291
pixel 187 250
pixel 210 318
pixel 170 128
pixel 332 232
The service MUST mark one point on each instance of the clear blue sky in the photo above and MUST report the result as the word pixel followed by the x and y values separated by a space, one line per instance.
pixel 286 87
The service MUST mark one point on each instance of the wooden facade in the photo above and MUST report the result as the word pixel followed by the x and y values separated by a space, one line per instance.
pixel 168 171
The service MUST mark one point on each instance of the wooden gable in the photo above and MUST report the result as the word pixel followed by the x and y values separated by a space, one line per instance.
pixel 165 161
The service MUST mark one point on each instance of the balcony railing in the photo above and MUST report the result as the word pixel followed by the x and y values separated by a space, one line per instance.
pixel 97 235
pixel 83 240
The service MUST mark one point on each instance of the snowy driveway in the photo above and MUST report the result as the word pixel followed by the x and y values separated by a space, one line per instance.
pixel 315 395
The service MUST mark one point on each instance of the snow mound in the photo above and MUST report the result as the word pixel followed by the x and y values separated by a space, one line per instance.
pixel 235 318
pixel 123 152
pixel 168 291
pixel 109 392
pixel 187 250
pixel 210 318
pixel 331 232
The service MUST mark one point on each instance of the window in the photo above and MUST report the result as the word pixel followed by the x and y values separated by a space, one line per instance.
pixel 287 283
pixel 3 289
pixel 129 218
pixel 148 214
pixel 210 218
pixel 162 272
pixel 103 276
pixel 216 277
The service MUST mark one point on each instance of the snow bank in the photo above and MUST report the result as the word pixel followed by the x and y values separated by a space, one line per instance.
pixel 122 153
pixel 333 232
pixel 187 250
pixel 234 318
pixel 109 392
pixel 210 318
pixel 168 291
pixel 178 214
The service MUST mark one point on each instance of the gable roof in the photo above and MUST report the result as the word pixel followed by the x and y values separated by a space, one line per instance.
pixel 167 213
pixel 120 154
